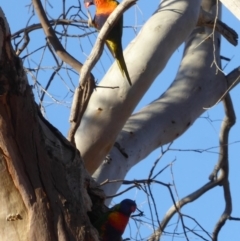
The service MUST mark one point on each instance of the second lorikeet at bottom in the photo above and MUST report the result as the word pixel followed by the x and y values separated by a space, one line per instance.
pixel 114 38
pixel 113 223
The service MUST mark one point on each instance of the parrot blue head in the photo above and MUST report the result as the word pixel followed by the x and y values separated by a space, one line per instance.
pixel 127 206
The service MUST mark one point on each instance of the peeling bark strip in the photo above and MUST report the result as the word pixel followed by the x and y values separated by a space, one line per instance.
pixel 42 179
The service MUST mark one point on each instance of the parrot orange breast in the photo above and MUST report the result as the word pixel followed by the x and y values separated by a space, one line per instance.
pixel 114 227
pixel 118 221
pixel 113 223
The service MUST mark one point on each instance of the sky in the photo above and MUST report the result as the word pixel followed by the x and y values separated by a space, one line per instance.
pixel 190 169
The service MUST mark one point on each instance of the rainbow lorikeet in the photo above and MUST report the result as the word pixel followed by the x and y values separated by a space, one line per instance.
pixel 114 38
pixel 113 223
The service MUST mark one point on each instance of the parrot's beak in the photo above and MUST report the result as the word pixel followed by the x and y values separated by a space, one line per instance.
pixel 133 209
pixel 87 4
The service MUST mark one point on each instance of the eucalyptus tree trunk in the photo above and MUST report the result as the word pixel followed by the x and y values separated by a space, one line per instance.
pixel 110 139
pixel 43 192
pixel 45 189
pixel 109 109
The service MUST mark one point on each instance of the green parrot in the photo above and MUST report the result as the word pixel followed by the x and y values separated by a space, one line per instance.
pixel 113 223
pixel 114 39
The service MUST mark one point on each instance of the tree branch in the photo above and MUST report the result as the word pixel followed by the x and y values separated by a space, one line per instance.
pixel 28 29
pixel 83 92
pixel 223 163
pixel 208 20
pixel 233 78
pixel 197 84
pixel 52 38
pixel 144 64
pixel 174 209
pixel 78 107
pixel 53 22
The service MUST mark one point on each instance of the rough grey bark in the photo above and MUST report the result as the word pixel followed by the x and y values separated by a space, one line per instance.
pixel 43 184
pixel 43 181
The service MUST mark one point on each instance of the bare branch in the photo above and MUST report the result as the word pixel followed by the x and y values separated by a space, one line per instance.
pixel 227 123
pixel 208 20
pixel 205 231
pixel 234 218
pixel 233 78
pixel 48 83
pixel 223 163
pixel 80 101
pixel 83 93
pixel 25 43
pixel 52 38
pixel 174 209
pixel 53 22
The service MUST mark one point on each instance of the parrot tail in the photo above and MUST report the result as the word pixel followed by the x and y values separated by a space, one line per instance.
pixel 123 67
pixel 117 52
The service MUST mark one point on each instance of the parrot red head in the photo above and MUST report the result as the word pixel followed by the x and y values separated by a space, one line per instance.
pixel 88 3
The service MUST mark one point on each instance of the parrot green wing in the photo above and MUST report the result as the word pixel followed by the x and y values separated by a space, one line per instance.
pixel 106 231
pixel 113 223
pixel 114 38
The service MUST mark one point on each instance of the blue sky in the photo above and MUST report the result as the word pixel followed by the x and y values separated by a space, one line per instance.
pixel 190 169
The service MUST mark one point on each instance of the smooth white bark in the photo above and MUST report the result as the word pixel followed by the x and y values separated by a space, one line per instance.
pixel 233 6
pixel 198 85
pixel 146 56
